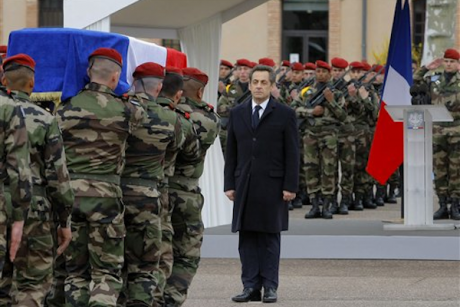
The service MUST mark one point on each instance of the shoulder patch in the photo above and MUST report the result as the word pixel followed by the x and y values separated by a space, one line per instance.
pixel 304 91
pixel 435 77
pixel 227 88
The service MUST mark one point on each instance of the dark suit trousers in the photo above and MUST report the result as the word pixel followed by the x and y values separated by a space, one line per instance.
pixel 260 259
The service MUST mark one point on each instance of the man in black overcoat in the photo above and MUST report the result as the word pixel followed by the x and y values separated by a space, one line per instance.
pixel 261 177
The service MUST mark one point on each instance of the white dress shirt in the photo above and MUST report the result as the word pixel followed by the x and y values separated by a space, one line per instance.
pixel 263 105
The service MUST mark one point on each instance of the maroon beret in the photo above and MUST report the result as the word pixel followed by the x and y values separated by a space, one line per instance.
pixel 252 64
pixel 18 60
pixel 378 68
pixel 226 63
pixel 356 65
pixel 286 63
pixel 108 53
pixel 322 64
pixel 267 62
pixel 297 66
pixel 195 74
pixel 339 63
pixel 366 66
pixel 173 70
pixel 310 66
pixel 149 70
pixel 3 49
pixel 451 54
pixel 244 62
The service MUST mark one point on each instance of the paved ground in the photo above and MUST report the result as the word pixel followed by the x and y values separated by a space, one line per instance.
pixel 343 283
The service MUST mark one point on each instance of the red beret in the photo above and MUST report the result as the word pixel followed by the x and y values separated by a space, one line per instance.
pixel 286 63
pixel 310 66
pixel 226 63
pixel 3 49
pixel 107 53
pixel 149 70
pixel 451 54
pixel 366 66
pixel 173 70
pixel 195 74
pixel 297 66
pixel 253 64
pixel 267 62
pixel 322 64
pixel 18 60
pixel 377 68
pixel 244 62
pixel 339 63
pixel 356 65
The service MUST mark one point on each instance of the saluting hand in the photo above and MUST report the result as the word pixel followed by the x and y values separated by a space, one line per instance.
pixel 230 194
pixel 288 196
pixel 435 64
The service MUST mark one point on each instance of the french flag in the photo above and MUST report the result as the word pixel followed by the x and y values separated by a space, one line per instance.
pixel 387 150
pixel 61 56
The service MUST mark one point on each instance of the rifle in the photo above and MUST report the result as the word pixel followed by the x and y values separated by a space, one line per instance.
pixel 226 80
pixel 304 84
pixel 242 97
pixel 358 83
pixel 318 97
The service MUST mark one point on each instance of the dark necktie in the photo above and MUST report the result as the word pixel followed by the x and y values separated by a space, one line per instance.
pixel 255 116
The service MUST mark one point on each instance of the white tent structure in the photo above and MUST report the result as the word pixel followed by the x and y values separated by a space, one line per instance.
pixel 198 25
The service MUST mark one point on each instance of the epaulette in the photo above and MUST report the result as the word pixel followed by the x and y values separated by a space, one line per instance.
pixel 182 112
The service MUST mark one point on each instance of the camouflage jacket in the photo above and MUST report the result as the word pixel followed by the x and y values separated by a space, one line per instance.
pixel 14 156
pixel 207 125
pixel 285 92
pixel 148 146
pixel 443 93
pixel 363 112
pixel 47 158
pixel 334 112
pixel 95 125
pixel 228 100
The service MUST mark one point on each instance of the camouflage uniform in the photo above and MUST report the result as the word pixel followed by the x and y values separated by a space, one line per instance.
pixel 446 139
pixel 95 125
pixel 51 192
pixel 189 149
pixel 187 203
pixel 320 144
pixel 145 161
pixel 14 166
pixel 227 101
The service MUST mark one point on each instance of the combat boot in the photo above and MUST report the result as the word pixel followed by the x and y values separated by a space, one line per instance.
pixel 297 202
pixel 357 204
pixel 455 210
pixel 391 199
pixel 379 196
pixel 442 212
pixel 314 212
pixel 326 213
pixel 344 203
pixel 304 198
pixel 368 203
pixel 334 208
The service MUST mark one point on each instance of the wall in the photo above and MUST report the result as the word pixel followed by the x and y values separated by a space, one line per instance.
pixel 15 15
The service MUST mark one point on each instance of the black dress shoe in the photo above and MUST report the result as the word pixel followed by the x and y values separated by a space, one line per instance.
pixel 270 295
pixel 248 295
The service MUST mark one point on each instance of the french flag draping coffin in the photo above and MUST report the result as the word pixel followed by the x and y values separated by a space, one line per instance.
pixel 62 54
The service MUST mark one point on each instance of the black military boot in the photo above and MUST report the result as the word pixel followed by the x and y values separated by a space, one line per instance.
pixel 442 212
pixel 314 212
pixel 304 197
pixel 334 208
pixel 344 203
pixel 379 196
pixel 368 202
pixel 297 202
pixel 455 209
pixel 357 204
pixel 326 209
pixel 392 195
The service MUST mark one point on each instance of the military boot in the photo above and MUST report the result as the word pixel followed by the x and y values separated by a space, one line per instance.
pixel 379 196
pixel 455 209
pixel 314 212
pixel 334 208
pixel 442 212
pixel 297 202
pixel 326 213
pixel 344 204
pixel 304 198
pixel 368 202
pixel 357 204
pixel 392 195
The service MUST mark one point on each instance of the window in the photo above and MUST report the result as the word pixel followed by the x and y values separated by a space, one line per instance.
pixel 419 16
pixel 51 13
pixel 172 43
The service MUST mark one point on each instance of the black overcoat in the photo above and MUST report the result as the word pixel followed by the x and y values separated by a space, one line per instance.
pixel 259 164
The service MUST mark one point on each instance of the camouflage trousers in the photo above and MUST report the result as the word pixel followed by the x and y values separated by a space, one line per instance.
pixel 188 237
pixel 27 281
pixel 362 180
pixel 302 169
pixel 320 154
pixel 94 258
pixel 56 295
pixel 346 155
pixel 446 161
pixel 3 227
pixel 166 250
pixel 142 245
pixel 223 140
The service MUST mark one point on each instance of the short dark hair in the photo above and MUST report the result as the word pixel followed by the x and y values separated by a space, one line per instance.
pixel 271 72
pixel 172 83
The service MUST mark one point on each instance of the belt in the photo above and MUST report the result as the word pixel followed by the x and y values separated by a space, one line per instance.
pixel 152 183
pixel 38 190
pixel 115 179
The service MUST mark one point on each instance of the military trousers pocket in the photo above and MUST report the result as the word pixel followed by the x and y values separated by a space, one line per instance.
pixel 152 243
pixel 39 255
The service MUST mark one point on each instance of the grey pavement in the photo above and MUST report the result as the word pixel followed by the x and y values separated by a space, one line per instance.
pixel 337 283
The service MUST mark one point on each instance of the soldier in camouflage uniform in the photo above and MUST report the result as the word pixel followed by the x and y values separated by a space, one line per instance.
pixel 286 95
pixel 234 94
pixel 170 96
pixel 445 90
pixel 51 192
pixel 320 139
pixel 184 192
pixel 144 169
pixel 14 169
pixel 95 126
